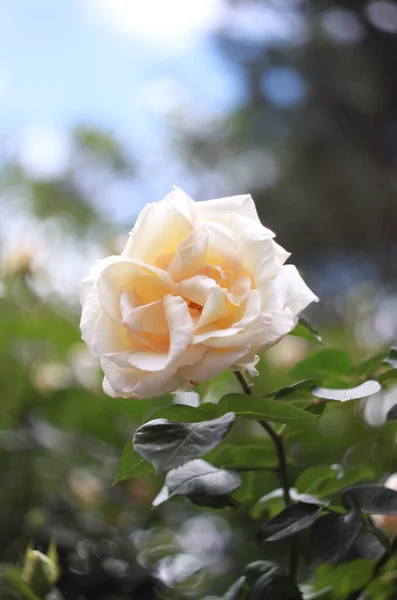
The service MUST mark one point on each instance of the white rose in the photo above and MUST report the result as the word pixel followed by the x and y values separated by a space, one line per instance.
pixel 198 289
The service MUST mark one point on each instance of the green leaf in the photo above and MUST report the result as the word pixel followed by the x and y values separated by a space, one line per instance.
pixel 237 590
pixel 245 457
pixel 294 518
pixel 332 536
pixel 170 444
pixel 310 481
pixel 267 580
pixel 19 585
pixel 270 500
pixel 180 412
pixel 371 364
pixel 371 498
pixel 132 465
pixel 345 578
pixel 253 407
pixel 349 477
pixel 342 395
pixel 390 375
pixel 324 364
pixel 306 330
pixel 199 481
pixel 297 391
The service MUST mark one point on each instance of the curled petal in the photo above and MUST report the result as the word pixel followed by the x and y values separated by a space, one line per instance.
pixel 299 295
pixel 213 363
pixel 214 210
pixel 215 308
pixel 166 221
pixel 124 274
pixel 180 326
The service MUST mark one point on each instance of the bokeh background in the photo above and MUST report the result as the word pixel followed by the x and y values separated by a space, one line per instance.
pixel 104 104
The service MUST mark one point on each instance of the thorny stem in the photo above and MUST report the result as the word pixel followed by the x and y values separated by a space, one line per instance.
pixel 282 471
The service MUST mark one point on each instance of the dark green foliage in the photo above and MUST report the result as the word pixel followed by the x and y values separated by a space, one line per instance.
pixel 200 482
pixel 291 520
pixel 170 444
pixel 371 498
pixel 267 580
pixel 332 536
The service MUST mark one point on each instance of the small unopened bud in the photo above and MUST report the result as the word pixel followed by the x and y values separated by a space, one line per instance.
pixel 40 571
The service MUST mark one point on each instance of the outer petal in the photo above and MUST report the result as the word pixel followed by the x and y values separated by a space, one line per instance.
pixel 299 295
pixel 210 210
pixel 212 364
pixel 89 315
pixel 159 228
pixel 124 274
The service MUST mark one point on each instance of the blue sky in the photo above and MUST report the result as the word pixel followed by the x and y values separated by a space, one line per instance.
pixel 75 61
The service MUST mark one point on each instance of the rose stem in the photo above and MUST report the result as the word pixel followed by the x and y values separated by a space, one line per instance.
pixel 282 471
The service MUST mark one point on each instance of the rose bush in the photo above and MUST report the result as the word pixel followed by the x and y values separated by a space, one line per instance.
pixel 198 289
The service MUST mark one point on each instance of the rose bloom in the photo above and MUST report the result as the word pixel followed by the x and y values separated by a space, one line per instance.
pixel 198 289
pixel 388 522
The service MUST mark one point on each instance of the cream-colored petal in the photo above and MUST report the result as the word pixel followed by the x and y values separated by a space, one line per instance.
pixel 149 317
pixel 108 336
pixel 206 337
pixel 196 288
pixel 122 379
pixel 191 254
pixel 274 331
pixel 180 327
pixel 211 210
pixel 89 282
pixel 252 309
pixel 262 261
pixel 159 229
pixel 299 295
pixel 274 296
pixel 212 364
pixel 244 227
pixel 89 315
pixel 215 308
pixel 241 286
pixel 125 274
pixel 223 247
pixel 280 253
pixel 183 203
pixel 157 384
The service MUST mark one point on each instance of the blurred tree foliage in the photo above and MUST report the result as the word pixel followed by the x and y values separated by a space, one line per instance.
pixel 314 137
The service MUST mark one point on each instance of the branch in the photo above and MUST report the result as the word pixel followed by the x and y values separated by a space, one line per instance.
pixel 282 471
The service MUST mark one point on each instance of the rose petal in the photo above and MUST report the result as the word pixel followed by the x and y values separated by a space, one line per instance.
pixel 124 274
pixel 191 254
pixel 299 295
pixel 215 308
pixel 149 317
pixel 196 288
pixel 180 327
pixel 212 210
pixel 212 364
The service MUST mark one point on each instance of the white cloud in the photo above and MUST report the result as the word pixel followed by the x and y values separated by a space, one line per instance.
pixel 164 95
pixel 43 151
pixel 168 21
